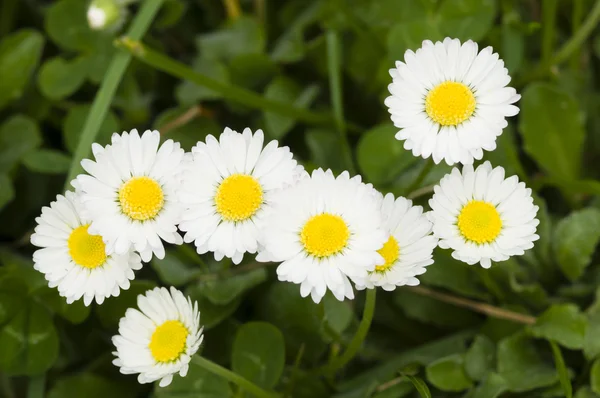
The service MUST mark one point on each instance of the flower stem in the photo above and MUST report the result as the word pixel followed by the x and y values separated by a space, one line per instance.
pixel 233 377
pixel 420 178
pixel 579 37
pixel 110 82
pixel 357 340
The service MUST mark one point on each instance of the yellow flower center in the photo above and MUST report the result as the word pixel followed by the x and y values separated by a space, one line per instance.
pixel 168 341
pixel 324 235
pixel 479 222
pixel 238 197
pixel 86 250
pixel 390 253
pixel 141 198
pixel 450 103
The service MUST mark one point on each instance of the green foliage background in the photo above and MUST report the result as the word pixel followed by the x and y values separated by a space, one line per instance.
pixel 325 63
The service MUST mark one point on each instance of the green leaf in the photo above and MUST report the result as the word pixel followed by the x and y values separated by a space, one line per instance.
pixel 67 25
pixel 493 386
pixel 595 376
pixel 189 133
pixel 59 78
pixel 284 89
pixel 586 392
pixel 73 125
pixel 188 93
pixel 575 239
pixel 252 71
pixel 10 302
pixel 448 374
pixel 591 342
pixel 259 353
pixel 199 383
pixel 324 147
pixel 467 19
pixel 75 313
pixel 19 55
pixel 47 161
pixel 544 137
pixel 338 314
pixel 7 192
pixel 563 373
pixel 480 359
pixel 113 308
pixel 506 154
pixel 513 47
pixel 521 366
pixel 420 386
pixel 212 314
pixel 29 342
pixel 18 136
pixel 381 156
pixel 87 385
pixel 224 290
pixel 172 270
pixel 563 323
pixel 242 36
pixel 410 35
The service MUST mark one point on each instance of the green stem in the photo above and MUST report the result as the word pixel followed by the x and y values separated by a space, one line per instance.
pixel 579 37
pixel 576 24
pixel 37 386
pixel 235 93
pixel 232 377
pixel 335 91
pixel 549 8
pixel 357 340
pixel 420 178
pixel 112 78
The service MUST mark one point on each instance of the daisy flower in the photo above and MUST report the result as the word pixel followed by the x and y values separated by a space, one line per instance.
pixel 227 186
pixel 130 193
pixel 482 216
pixel 449 101
pixel 160 338
pixel 324 230
pixel 74 260
pixel 409 247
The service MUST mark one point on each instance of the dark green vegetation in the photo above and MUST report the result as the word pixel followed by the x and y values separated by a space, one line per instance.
pixel 309 72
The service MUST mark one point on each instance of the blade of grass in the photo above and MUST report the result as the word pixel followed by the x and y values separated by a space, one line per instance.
pixel 110 82
pixel 335 90
pixel 238 94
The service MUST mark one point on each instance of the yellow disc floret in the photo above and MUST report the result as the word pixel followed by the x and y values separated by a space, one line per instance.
pixel 141 198
pixel 168 341
pixel 324 235
pixel 390 253
pixel 479 222
pixel 238 197
pixel 86 250
pixel 450 103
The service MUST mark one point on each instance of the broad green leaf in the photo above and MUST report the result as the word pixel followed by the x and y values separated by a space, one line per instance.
pixel 286 90
pixel 242 36
pixel 586 392
pixel 75 313
pixel 480 359
pixel 10 302
pixel 18 136
pixel 448 374
pixel 545 138
pixel 259 353
pixel 561 368
pixel 385 13
pixel 212 314
pixel 113 308
pixel 290 47
pixel 493 386
pixel 19 55
pixel 29 342
pixel 252 71
pixel 225 289
pixel 186 132
pixel 420 386
pixel 381 156
pixel 324 149
pixel 466 19
pixel 521 366
pixel 73 126
pixel 595 376
pixel 59 78
pixel 513 46
pixel 575 239
pixel 410 35
pixel 199 383
pixel 563 323
pixel 591 342
pixel 47 161
pixel 338 314
pixel 7 192
pixel 87 385
pixel 172 270
pixel 67 25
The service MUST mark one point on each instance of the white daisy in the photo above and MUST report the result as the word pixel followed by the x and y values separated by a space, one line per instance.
pixel 160 338
pixel 482 216
pixel 449 101
pixel 227 186
pixel 324 230
pixel 409 247
pixel 130 194
pixel 75 261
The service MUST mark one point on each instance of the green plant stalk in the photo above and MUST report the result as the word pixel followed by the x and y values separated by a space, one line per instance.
pixel 110 82
pixel 357 340
pixel 416 184
pixel 577 17
pixel 233 377
pixel 549 8
pixel 234 93
pixel 579 37
pixel 37 385
pixel 335 89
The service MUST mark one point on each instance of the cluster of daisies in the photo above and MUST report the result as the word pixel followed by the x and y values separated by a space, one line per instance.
pixel 234 195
